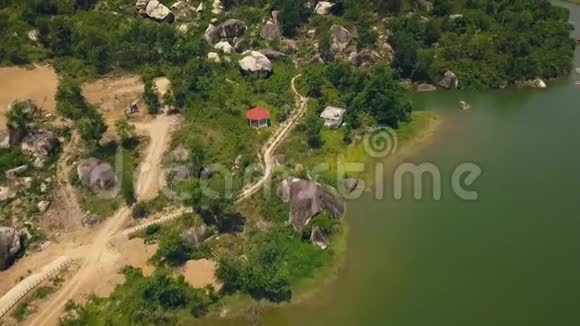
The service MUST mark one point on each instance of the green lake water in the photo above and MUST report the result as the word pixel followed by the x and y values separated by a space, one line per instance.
pixel 510 258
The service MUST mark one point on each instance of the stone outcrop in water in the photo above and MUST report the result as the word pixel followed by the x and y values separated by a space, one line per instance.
pixel 10 246
pixel 96 175
pixel 308 199
pixel 449 80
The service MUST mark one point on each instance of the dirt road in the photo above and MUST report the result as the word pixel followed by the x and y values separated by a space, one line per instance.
pixel 150 172
pixel 98 259
pixel 277 138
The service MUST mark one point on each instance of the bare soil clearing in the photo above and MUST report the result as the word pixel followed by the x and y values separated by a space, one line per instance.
pixel 100 251
pixel 113 96
pixel 37 83
pixel 201 273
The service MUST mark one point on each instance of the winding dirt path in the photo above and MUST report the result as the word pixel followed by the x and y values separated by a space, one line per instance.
pixel 270 147
pixel 99 258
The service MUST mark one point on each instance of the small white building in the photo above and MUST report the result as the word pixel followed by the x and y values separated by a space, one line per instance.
pixel 333 116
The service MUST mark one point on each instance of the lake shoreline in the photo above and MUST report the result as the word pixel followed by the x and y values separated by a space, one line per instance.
pixel 413 136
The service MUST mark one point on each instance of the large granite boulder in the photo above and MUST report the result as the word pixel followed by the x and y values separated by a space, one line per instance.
pixel 96 175
pixel 224 46
pixel 212 34
pixel 155 10
pixel 256 62
pixel 270 31
pixel 340 38
pixel 363 59
pixel 196 235
pixel 232 28
pixel 324 8
pixel 449 80
pixel 308 199
pixel 241 45
pixel 41 144
pixel 10 246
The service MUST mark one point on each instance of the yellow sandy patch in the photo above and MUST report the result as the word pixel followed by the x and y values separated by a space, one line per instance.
pixel 37 83
pixel 201 273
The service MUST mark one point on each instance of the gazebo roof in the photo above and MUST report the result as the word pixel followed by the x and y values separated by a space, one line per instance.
pixel 258 113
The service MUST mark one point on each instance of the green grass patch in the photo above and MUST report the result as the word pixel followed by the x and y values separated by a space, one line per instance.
pixel 333 150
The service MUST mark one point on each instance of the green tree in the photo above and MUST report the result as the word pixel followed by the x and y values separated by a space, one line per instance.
pixel 405 53
pixel 174 249
pixel 151 98
pixel 313 128
pixel 19 119
pixel 69 99
pixel 91 128
pixel 291 16
pixel 125 131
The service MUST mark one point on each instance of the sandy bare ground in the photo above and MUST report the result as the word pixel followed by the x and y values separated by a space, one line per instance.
pixel 201 273
pixel 99 257
pixel 150 171
pixel 277 138
pixel 37 83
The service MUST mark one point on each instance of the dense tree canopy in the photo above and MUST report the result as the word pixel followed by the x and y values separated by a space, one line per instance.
pixel 486 43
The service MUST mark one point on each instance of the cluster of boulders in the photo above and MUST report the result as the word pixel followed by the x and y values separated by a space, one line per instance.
pixel 96 175
pixel 40 144
pixel 228 30
pixel 307 199
pixel 10 246
pixel 533 83
pixel 155 10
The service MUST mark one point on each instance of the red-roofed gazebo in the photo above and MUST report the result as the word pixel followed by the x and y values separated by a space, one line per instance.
pixel 258 117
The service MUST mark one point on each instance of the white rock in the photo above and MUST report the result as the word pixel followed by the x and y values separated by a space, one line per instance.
pixel 183 28
pixel 324 8
pixel 214 57
pixel 158 11
pixel 539 83
pixel 201 7
pixel 6 193
pixel 256 62
pixel 43 206
pixel 33 35
pixel 224 46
